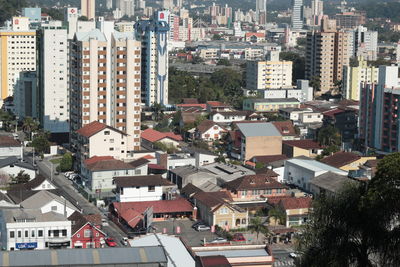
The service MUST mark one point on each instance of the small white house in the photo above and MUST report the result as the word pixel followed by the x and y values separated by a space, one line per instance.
pixel 9 147
pixel 228 116
pixel 46 201
pixel 12 166
pixel 310 117
pixel 300 171
pixel 142 188
pixel 210 131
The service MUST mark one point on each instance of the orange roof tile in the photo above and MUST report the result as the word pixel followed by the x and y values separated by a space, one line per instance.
pixel 154 136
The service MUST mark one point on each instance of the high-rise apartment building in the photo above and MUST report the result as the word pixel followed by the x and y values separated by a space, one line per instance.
pixel 354 76
pixel 317 11
pixel 127 7
pixel 365 43
pixel 153 35
pixel 88 9
pixel 350 20
pixel 297 15
pixel 105 83
pixel 53 77
pixel 328 50
pixel 379 113
pixel 261 11
pixel 17 54
pixel 268 74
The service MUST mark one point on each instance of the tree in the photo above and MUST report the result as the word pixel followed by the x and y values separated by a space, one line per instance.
pixel 20 178
pixel 8 120
pixel 223 62
pixel 83 18
pixel 29 125
pixel 257 226
pixel 278 215
pixel 65 163
pixel 358 226
pixel 329 135
pixel 315 83
pixel 41 143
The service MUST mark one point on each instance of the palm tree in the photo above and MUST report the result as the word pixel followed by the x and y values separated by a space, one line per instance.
pixel 29 125
pixel 278 215
pixel 257 226
pixel 7 118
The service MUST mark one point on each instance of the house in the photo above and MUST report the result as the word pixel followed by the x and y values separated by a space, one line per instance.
pixel 255 37
pixel 150 137
pixel 286 129
pixel 226 172
pixel 99 172
pixel 213 106
pixel 265 160
pixel 255 187
pixel 368 170
pixel 293 114
pixel 9 147
pixel 210 131
pixel 45 201
pixel 228 116
pixel 99 139
pixel 297 210
pixel 146 256
pixel 142 188
pixel 256 139
pixel 133 212
pixel 214 208
pixel 28 229
pixel 85 233
pixel 329 183
pixel 346 161
pixel 300 171
pixel 310 117
pixel 12 166
pixel 181 176
pixel 295 148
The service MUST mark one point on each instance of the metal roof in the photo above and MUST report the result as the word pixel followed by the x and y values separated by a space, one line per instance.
pixel 234 253
pixel 177 253
pixel 94 34
pixel 81 257
pixel 315 166
pixel 258 129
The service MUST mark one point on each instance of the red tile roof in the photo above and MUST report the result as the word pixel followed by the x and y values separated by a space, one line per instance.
pixel 340 159
pixel 109 164
pixel 131 217
pixel 214 261
pixel 296 203
pixel 205 125
pixel 95 159
pixel 286 128
pixel 152 135
pixel 159 206
pixel 190 101
pixel 148 157
pixel 203 106
pixel 258 34
pixel 92 128
pixel 8 141
pixel 257 181
pixel 332 112
pixel 216 104
pixel 304 144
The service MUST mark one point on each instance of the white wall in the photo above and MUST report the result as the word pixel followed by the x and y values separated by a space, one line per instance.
pixel 310 117
pixel 202 159
pixel 211 133
pixel 101 144
pixel 59 208
pixel 133 194
pixel 16 169
pixel 298 175
pixel 222 118
pixel 6 152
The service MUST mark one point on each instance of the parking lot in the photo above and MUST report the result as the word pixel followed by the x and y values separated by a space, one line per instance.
pixel 190 236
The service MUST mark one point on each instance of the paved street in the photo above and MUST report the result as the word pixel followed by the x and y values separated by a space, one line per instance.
pixel 281 254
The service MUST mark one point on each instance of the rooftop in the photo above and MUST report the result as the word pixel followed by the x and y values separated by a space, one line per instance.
pixel 153 136
pixel 286 128
pixel 109 164
pixel 290 203
pixel 94 34
pixel 86 257
pixel 257 181
pixel 340 159
pixel 304 144
pixel 8 141
pixel 235 253
pixel 94 127
pixel 315 166
pixel 139 181
pixel 274 100
pixel 269 158
pixel 258 129
pixel 42 198
pixel 159 206
pixel 331 181
pixel 205 125
pixel 12 215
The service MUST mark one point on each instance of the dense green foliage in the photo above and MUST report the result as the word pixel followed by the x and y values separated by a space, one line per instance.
pixel 65 163
pixel 20 178
pixel 9 8
pixel 223 85
pixel 329 135
pixel 359 225
pixel 299 64
pixel 41 143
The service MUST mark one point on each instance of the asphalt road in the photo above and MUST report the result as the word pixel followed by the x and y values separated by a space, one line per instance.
pixel 87 207
pixel 281 256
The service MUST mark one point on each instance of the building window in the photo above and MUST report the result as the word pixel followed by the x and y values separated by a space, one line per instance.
pixel 19 234
pixel 111 149
pixel 106 132
pixel 151 188
pixel 223 210
pixel 138 171
pixel 64 232
pixel 56 233
pixel 53 208
pixel 26 233
pixel 12 234
pixel 88 233
pixel 40 233
pixel 33 233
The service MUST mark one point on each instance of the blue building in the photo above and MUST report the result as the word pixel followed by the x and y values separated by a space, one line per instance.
pixel 33 13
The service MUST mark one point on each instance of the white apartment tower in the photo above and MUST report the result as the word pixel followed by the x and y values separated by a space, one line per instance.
pixel 17 54
pixel 297 15
pixel 105 83
pixel 153 35
pixel 53 78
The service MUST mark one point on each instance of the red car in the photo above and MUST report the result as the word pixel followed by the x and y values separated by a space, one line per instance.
pixel 238 237
pixel 110 242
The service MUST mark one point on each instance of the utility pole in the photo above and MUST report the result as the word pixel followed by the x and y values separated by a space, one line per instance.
pixel 51 172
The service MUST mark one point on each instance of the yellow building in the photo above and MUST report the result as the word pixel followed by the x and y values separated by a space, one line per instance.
pixel 271 74
pixel 296 148
pixel 346 161
pixel 17 54
pixel 354 76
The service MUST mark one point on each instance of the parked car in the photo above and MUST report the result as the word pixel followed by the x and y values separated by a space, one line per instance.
pixel 202 227
pixel 238 237
pixel 218 240
pixel 67 174
pixel 110 242
pixel 194 226
pixel 293 255
pixel 125 241
pixel 104 222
